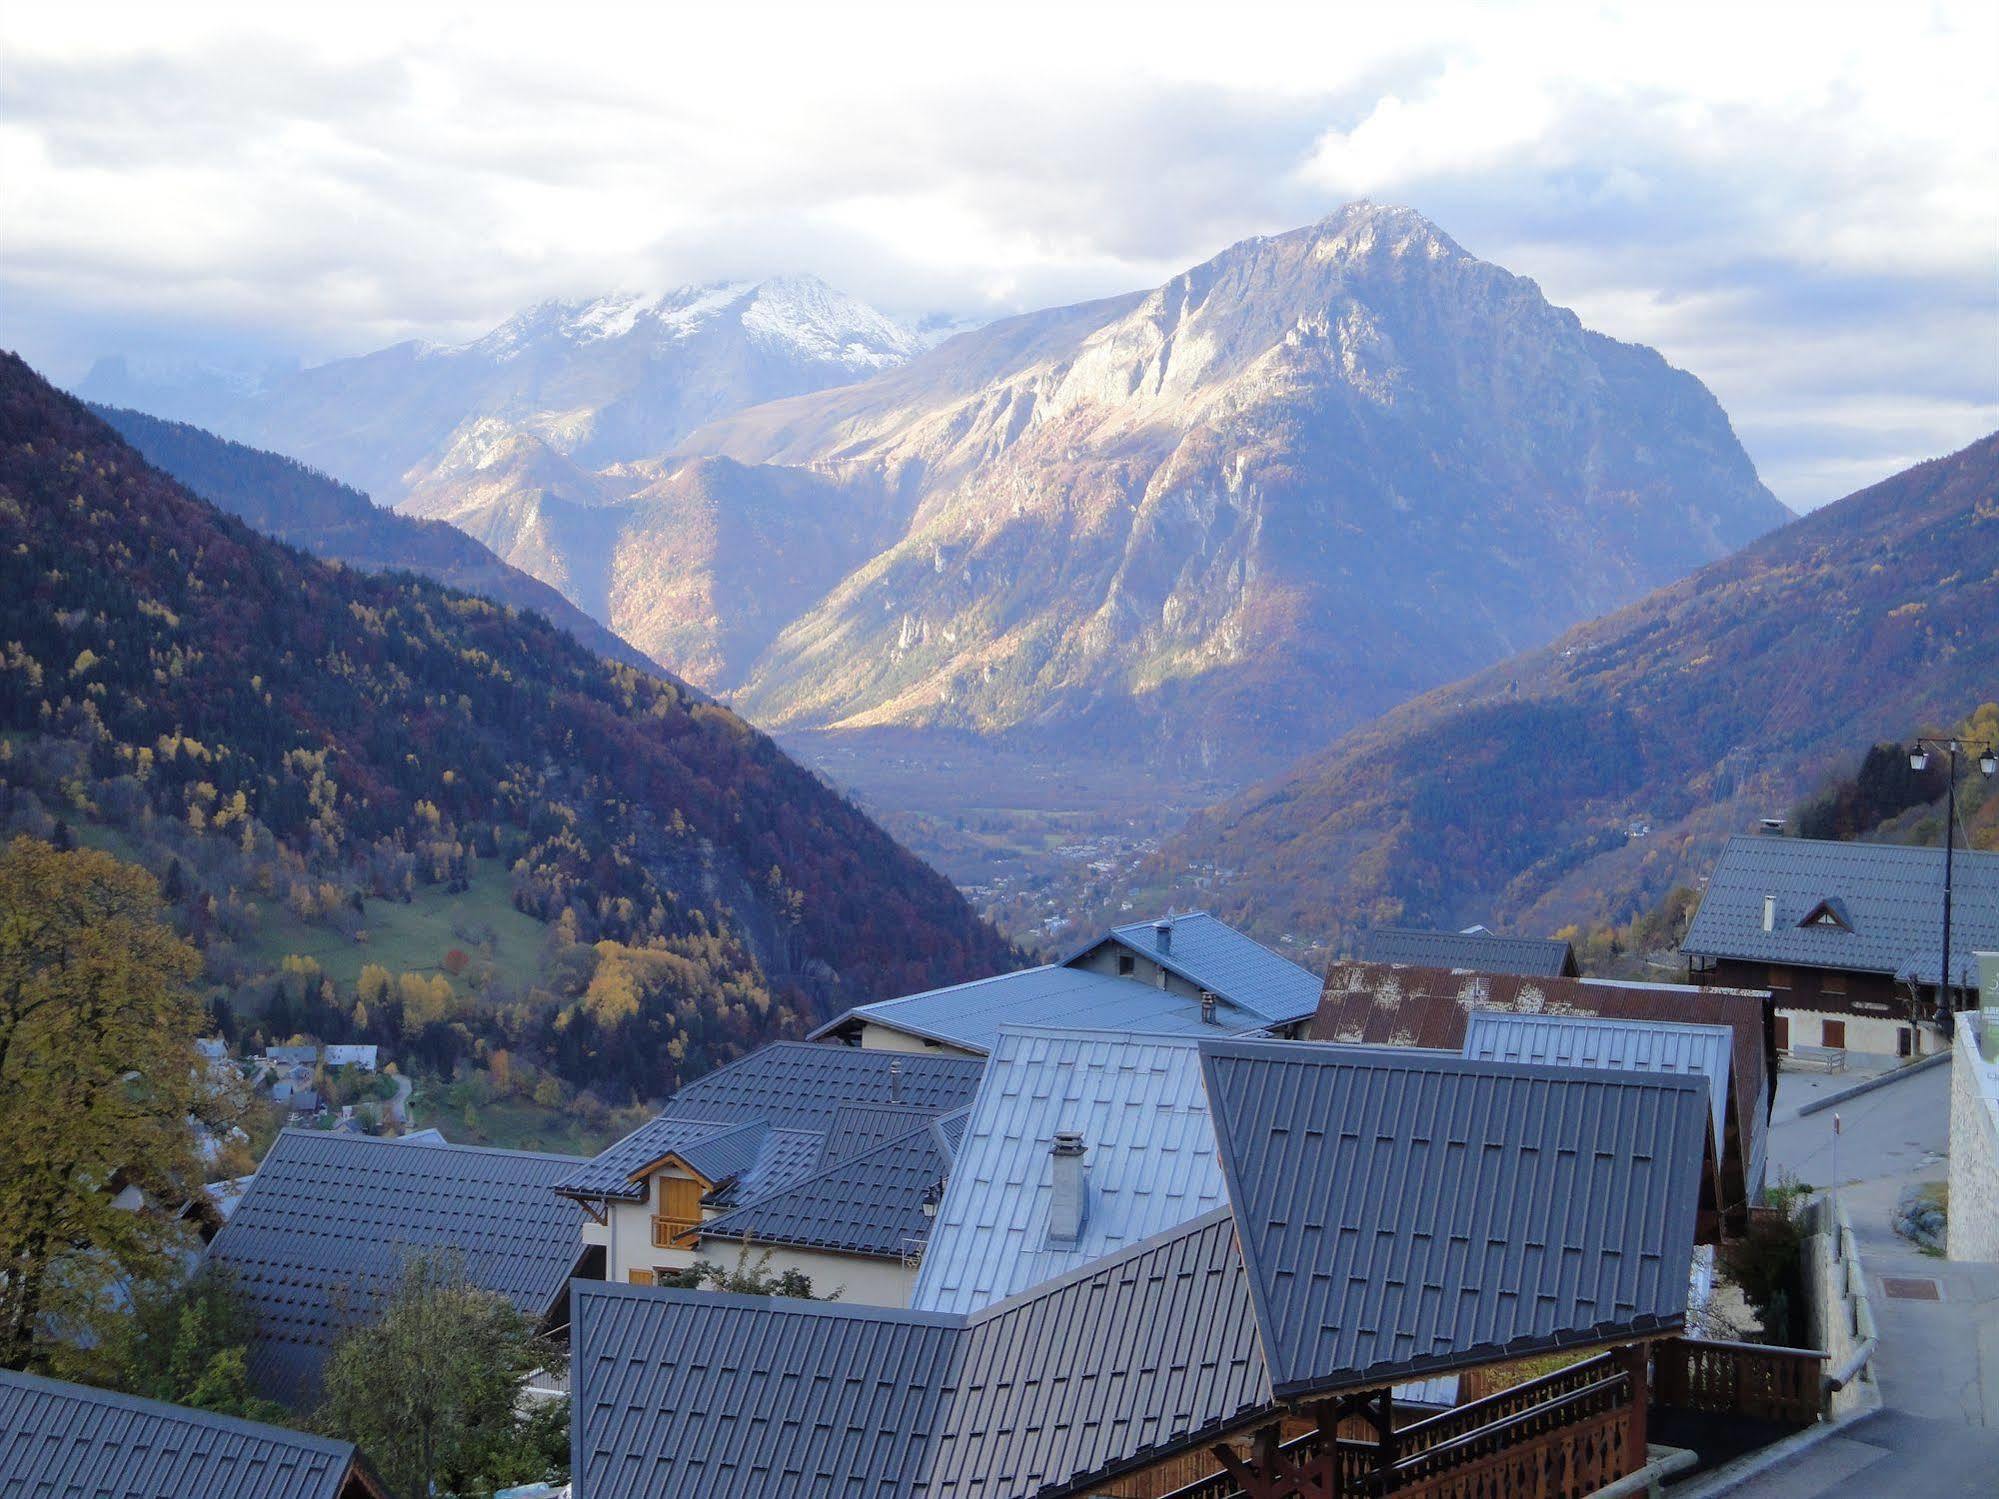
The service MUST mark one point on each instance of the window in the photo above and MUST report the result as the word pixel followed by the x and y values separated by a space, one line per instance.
pixel 641 1277
pixel 1779 977
pixel 1835 1034
pixel 1832 981
pixel 1125 964
pixel 679 1210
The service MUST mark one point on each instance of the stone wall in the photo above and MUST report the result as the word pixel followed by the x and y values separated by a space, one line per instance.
pixel 1974 1138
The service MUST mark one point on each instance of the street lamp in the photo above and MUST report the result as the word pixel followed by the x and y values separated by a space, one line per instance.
pixel 1988 763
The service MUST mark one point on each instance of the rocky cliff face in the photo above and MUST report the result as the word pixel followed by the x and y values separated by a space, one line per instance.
pixel 1237 514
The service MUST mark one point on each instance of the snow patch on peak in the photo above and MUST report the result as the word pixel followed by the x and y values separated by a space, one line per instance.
pixel 805 315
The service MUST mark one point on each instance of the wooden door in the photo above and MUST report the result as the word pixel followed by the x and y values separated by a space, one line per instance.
pixel 1835 1034
pixel 1783 1033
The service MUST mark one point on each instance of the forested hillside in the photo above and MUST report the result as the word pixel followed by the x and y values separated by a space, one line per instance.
pixel 283 498
pixel 1578 783
pixel 503 852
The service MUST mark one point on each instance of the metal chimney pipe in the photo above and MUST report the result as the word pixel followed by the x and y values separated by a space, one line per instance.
pixel 1067 1206
pixel 1769 913
pixel 895 1081
pixel 1162 934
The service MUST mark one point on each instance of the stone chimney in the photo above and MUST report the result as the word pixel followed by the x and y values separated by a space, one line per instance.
pixel 1069 1205
pixel 1207 1007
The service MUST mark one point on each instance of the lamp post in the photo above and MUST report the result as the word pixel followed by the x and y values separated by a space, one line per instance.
pixel 1988 763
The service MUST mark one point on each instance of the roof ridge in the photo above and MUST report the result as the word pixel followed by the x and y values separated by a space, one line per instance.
pixel 301 1132
pixel 1104 1032
pixel 594 1290
pixel 1093 1268
pixel 1413 1058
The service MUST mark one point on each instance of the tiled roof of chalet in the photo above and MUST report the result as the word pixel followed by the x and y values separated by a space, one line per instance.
pixel 766 1118
pixel 859 1127
pixel 1487 952
pixel 1405 1213
pixel 870 1203
pixel 789 1399
pixel 1380 1004
pixel 1150 1164
pixel 971 1015
pixel 329 1222
pixel 1890 897
pixel 1209 952
pixel 803 1084
pixel 58 1438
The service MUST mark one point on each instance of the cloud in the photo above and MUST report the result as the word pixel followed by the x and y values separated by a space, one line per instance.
pixel 1801 206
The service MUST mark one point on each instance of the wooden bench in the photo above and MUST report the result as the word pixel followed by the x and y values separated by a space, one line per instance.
pixel 1817 1058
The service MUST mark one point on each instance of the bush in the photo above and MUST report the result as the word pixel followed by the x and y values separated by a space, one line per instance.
pixel 1768 1265
pixel 1922 1215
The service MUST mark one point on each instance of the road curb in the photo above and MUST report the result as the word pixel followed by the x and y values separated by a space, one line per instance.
pixel 1752 1465
pixel 1833 1100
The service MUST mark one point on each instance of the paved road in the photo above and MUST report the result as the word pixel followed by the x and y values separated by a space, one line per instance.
pixel 1937 1435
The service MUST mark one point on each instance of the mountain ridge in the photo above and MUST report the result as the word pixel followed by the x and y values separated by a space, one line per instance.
pixel 1579 781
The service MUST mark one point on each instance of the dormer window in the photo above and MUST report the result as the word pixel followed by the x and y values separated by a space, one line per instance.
pixel 1828 913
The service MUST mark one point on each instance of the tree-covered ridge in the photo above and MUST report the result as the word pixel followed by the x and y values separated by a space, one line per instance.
pixel 344 735
pixel 284 498
pixel 1580 782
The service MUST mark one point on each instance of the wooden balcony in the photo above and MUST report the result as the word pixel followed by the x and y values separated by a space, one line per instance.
pixel 673 1233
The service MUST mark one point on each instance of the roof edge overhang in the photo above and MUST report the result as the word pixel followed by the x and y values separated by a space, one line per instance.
pixel 1403 1371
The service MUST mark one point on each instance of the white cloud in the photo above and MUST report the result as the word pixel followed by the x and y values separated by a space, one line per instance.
pixel 1799 203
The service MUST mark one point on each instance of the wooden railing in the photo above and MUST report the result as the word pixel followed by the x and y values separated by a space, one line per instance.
pixel 1430 1453
pixel 668 1232
pixel 1749 1379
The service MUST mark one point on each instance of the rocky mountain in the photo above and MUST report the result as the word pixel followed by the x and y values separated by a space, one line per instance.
pixel 1583 779
pixel 307 509
pixel 305 752
pixel 596 382
pixel 1215 523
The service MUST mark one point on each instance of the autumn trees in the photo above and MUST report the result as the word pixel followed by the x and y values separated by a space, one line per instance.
pixel 98 1078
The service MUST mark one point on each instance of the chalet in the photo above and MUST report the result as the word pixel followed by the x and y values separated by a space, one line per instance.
pixel 1848 937
pixel 61 1438
pixel 1382 1004
pixel 329 1222
pixel 1180 975
pixel 779 1118
pixel 1242 1350
pixel 1476 948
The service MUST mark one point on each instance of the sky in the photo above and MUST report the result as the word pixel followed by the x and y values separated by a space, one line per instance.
pixel 1798 203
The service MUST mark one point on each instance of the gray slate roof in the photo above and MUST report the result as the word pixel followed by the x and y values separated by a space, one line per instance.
pixel 1209 952
pixel 971 1015
pixel 766 1118
pixel 1891 895
pixel 1535 957
pixel 1702 1051
pixel 708 1396
pixel 870 1203
pixel 1139 1104
pixel 329 1222
pixel 859 1127
pixel 61 1439
pixel 1405 1213
pixel 803 1085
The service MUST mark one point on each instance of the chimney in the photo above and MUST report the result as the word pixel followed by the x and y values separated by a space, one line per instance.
pixel 1769 913
pixel 1162 934
pixel 1207 1007
pixel 895 1082
pixel 1067 1206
